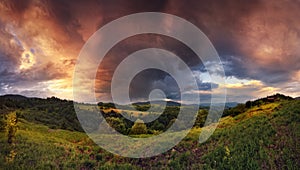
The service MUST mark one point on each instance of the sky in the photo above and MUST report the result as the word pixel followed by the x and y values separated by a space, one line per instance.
pixel 258 42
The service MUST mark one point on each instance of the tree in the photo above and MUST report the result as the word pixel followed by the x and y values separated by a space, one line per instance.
pixel 248 104
pixel 138 128
pixel 117 124
pixel 201 117
pixel 157 126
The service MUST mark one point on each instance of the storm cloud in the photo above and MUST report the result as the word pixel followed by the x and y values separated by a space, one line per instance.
pixel 256 40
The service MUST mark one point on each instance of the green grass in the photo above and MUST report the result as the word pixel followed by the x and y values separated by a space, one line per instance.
pixel 252 140
pixel 264 137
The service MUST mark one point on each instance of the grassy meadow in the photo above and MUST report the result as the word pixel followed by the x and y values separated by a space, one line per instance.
pixel 45 134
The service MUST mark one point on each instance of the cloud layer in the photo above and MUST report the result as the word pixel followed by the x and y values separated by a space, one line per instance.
pixel 258 41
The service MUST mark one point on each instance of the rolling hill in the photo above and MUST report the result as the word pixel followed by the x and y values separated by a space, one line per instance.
pixel 45 134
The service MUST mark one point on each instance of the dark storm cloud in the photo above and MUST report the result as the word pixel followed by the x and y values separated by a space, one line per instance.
pixel 256 39
pixel 118 8
pixel 220 21
pixel 153 79
pixel 18 6
pixel 149 79
pixel 239 28
pixel 235 66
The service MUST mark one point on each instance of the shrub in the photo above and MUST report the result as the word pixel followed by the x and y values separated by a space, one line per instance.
pixel 138 128
pixel 11 127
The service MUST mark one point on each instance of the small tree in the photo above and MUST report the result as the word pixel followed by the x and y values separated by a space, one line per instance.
pixel 11 127
pixel 248 104
pixel 138 128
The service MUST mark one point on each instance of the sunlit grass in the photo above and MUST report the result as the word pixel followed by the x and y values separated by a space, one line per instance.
pixel 264 137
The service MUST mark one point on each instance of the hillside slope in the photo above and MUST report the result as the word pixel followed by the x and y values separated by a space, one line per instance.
pixel 262 137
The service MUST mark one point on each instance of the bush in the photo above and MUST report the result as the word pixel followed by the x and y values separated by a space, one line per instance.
pixel 138 128
pixel 11 127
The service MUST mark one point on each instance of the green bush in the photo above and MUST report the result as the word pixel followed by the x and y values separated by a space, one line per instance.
pixel 138 128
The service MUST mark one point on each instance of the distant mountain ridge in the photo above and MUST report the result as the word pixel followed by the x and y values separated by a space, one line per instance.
pixel 227 104
pixel 14 97
pixel 173 103
pixel 17 97
pixel 168 103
